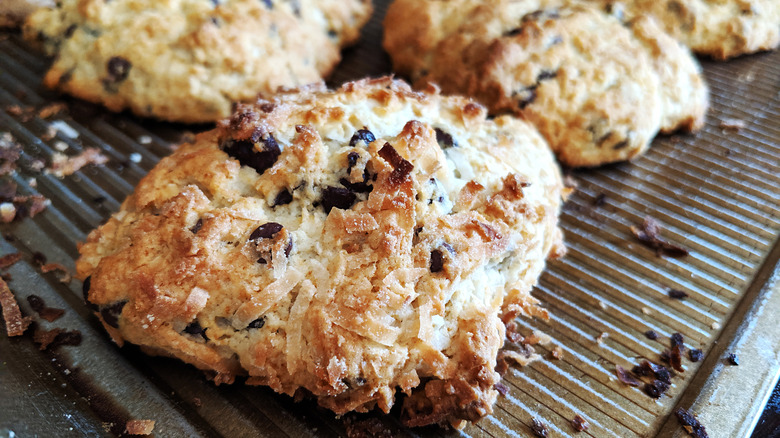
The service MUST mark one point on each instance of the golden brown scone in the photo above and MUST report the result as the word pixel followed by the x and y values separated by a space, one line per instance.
pixel 344 244
pixel 719 28
pixel 598 90
pixel 685 96
pixel 13 12
pixel 189 60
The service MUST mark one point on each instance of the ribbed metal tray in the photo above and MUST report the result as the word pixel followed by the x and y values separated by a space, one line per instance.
pixel 717 193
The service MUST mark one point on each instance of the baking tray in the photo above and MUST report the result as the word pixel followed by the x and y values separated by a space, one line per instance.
pixel 715 193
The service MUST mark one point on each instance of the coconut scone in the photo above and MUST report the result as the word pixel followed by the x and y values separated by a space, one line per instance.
pixel 349 245
pixel 721 29
pixel 189 60
pixel 598 89
pixel 13 12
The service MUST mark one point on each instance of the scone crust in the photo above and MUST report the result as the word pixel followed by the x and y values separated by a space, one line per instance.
pixel 577 74
pixel 377 254
pixel 189 60
pixel 721 29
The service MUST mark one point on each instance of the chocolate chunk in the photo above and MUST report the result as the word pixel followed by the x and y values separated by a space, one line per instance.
pixel 85 291
pixel 283 198
pixel 676 357
pixel 625 377
pixel 539 428
pixel 267 107
pixel 546 74
pixel 194 328
pixel 649 369
pixel 39 258
pixel 352 159
pixel 620 145
pixel 690 423
pixel 676 339
pixel 656 388
pixel 50 314
pixel 257 324
pixel 437 261
pixel 56 337
pixel 649 235
pixel 198 225
pixel 266 231
pixel 651 334
pixel 526 96
pixel 579 424
pixel 401 167
pixel 111 313
pixel 732 359
pixel 695 355
pixel 677 294
pixel 118 69
pixel 245 152
pixel 288 248
pixel 358 187
pixel 363 135
pixel 337 197
pixel 444 139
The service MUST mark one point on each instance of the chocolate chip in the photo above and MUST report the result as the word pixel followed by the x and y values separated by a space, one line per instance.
pixel 444 139
pixel 245 152
pixel 579 424
pixel 732 359
pixel 651 334
pixel 676 339
pixel 337 197
pixel 352 159
pixel 266 231
pixel 545 75
pixel 358 187
pixel 85 291
pixel 695 355
pixel 526 96
pixel 288 248
pixel 198 225
pixel 514 32
pixel 656 388
pixel 600 200
pixel 437 261
pixel 362 135
pixel 677 294
pixel 539 428
pixel 620 145
pixel 283 198
pixel 267 107
pixel 194 328
pixel 112 312
pixel 690 423
pixel 401 167
pixel 118 69
pixel 39 258
pixel 257 324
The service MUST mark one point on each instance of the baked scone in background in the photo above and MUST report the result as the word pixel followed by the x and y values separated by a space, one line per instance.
pixel 597 89
pixel 13 12
pixel 346 245
pixel 189 60
pixel 721 29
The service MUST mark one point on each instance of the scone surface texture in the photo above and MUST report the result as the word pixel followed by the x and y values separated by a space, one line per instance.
pixel 597 88
pixel 347 245
pixel 189 60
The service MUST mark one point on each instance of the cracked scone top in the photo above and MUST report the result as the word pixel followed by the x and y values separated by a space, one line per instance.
pixel 343 244
pixel 189 60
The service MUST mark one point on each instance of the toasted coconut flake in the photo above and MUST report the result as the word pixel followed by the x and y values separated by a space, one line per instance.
pixel 15 323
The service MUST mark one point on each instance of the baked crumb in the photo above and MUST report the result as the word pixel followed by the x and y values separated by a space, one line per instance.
pixel 579 424
pixel 139 427
pixel 15 323
pixel 733 124
pixel 63 165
